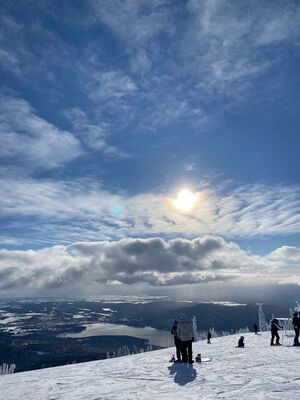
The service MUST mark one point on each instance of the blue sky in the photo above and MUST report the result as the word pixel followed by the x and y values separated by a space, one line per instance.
pixel 109 108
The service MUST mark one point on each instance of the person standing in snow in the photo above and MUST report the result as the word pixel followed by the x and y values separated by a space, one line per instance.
pixel 208 337
pixel 177 341
pixel 185 333
pixel 296 323
pixel 255 328
pixel 274 331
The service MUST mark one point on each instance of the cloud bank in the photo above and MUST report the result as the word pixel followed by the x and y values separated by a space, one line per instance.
pixel 151 262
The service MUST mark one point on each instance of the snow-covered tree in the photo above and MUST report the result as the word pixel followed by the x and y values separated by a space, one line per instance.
pixel 195 328
pixel 213 332
pixel 149 347
pixel 123 351
pixel 243 330
pixel 263 326
pixel 6 369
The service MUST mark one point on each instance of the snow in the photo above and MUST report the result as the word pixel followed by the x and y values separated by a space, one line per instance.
pixel 116 299
pixel 258 371
pixel 225 303
pixel 9 317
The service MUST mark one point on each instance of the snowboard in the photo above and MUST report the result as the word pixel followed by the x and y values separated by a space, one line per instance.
pixel 203 360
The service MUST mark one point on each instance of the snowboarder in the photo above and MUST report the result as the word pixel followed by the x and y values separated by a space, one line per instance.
pixel 255 328
pixel 185 333
pixel 208 337
pixel 241 342
pixel 274 331
pixel 296 323
pixel 177 341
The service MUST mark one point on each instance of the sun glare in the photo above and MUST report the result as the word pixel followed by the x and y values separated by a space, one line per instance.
pixel 185 200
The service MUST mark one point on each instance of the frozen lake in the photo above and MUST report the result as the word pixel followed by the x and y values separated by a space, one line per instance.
pixel 155 337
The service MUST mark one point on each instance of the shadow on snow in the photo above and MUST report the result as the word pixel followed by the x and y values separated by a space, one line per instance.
pixel 183 373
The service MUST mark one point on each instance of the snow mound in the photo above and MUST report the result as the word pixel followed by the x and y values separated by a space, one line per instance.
pixel 258 371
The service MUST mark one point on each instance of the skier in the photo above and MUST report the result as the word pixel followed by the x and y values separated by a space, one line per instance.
pixel 274 331
pixel 255 328
pixel 185 333
pixel 241 342
pixel 296 323
pixel 177 341
pixel 208 337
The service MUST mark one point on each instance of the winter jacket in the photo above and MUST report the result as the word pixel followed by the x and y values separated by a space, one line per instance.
pixel 296 322
pixel 185 330
pixel 174 331
pixel 275 325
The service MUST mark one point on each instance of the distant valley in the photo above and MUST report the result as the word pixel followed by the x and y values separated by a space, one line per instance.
pixel 50 332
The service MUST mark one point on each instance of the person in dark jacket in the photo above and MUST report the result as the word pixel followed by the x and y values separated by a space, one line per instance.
pixel 177 341
pixel 208 337
pixel 255 328
pixel 241 342
pixel 296 323
pixel 274 331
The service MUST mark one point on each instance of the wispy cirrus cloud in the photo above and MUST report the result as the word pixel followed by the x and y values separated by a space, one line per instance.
pixel 222 49
pixel 282 24
pixel 9 61
pixel 93 135
pixel 113 93
pixel 83 209
pixel 7 241
pixel 170 72
pixel 218 50
pixel 26 138
pixel 138 24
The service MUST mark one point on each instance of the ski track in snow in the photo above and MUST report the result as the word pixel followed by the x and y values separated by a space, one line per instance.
pixel 258 372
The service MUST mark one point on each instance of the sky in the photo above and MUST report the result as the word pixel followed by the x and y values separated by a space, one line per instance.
pixel 110 108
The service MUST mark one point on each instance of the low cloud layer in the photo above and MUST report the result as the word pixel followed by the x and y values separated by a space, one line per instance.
pixel 141 262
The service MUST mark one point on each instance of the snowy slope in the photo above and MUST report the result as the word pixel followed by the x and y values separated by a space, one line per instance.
pixel 257 372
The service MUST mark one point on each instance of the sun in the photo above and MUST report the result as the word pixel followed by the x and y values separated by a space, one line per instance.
pixel 185 200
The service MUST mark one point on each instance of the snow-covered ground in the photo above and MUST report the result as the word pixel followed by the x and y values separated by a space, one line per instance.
pixel 258 371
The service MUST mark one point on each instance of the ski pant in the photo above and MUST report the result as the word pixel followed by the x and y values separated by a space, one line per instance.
pixel 296 340
pixel 275 335
pixel 187 352
pixel 178 345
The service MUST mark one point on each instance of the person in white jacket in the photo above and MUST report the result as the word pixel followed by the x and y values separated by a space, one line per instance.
pixel 185 333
